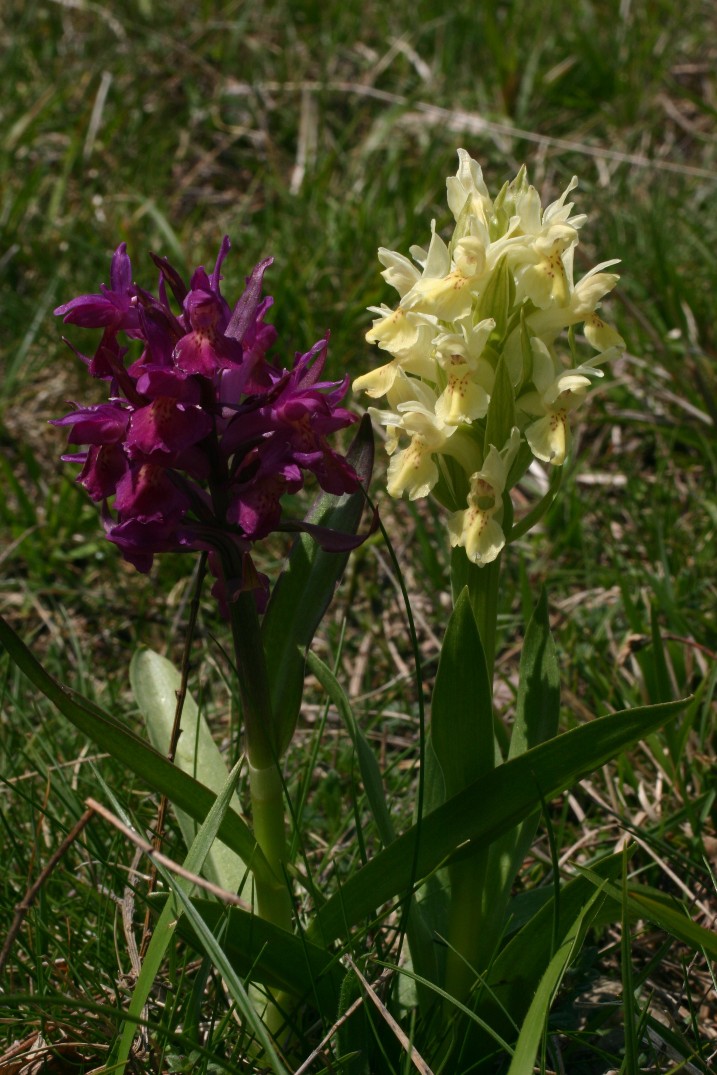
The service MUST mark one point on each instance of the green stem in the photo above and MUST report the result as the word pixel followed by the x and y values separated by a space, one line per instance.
pixel 267 804
pixel 466 925
pixel 265 780
pixel 253 681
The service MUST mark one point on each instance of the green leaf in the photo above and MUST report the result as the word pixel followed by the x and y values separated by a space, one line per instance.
pixel 420 939
pixel 664 912
pixel 533 1026
pixel 498 298
pixel 526 349
pixel 462 706
pixel 269 955
pixel 165 927
pixel 514 974
pixel 536 721
pixel 538 705
pixel 247 1002
pixel 485 810
pixel 501 410
pixel 155 683
pixel 369 768
pixel 140 758
pixel 304 589
pixel 629 1008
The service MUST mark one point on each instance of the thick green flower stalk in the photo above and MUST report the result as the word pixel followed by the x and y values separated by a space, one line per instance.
pixel 483 312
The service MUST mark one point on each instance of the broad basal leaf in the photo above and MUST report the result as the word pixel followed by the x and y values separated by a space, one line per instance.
pixel 155 683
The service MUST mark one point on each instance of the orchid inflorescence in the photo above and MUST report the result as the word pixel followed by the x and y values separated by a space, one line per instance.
pixel 493 301
pixel 202 433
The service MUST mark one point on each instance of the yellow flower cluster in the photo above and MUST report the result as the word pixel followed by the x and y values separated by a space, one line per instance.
pixel 500 293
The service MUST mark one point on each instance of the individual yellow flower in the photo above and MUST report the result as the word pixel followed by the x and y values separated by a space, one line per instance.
pixel 467 193
pixel 557 393
pixel 478 528
pixel 412 469
pixel 399 271
pixel 409 338
pixel 469 377
pixel 542 225
pixel 601 336
pixel 580 304
pixel 448 285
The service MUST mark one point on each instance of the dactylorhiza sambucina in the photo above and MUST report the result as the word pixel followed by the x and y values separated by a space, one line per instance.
pixel 477 343
pixel 202 433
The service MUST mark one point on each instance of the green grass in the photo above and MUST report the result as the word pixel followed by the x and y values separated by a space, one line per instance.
pixel 314 133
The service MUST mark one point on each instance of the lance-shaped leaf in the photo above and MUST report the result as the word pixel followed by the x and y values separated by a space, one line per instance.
pixel 259 950
pixel 155 683
pixel 420 939
pixel 165 927
pixel 304 589
pixel 484 810
pixel 536 721
pixel 514 975
pixel 533 1025
pixel 516 971
pixel 140 758
pixel 462 706
pixel 663 911
pixel 501 410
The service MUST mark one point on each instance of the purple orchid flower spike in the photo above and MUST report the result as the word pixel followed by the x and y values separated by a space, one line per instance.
pixel 203 433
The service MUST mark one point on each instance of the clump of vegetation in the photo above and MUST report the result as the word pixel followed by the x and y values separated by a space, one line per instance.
pixel 312 135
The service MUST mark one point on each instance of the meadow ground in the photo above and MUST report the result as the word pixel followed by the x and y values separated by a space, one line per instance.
pixel 315 133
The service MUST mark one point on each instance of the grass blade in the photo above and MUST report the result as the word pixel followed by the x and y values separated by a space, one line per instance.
pixel 140 758
pixel 533 1026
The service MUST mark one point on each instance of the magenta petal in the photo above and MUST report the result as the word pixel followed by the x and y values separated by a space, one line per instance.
pixel 156 381
pixel 245 310
pixel 170 274
pixel 88 311
pixel 104 423
pixel 104 468
pixel 309 366
pixel 166 427
pixel 139 539
pixel 197 353
pixel 256 506
pixel 121 270
pixel 216 275
pixel 148 490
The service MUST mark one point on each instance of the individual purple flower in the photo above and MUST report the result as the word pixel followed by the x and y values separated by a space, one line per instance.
pixel 203 433
pixel 114 307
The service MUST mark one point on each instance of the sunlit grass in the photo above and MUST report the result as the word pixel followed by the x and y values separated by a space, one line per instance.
pixel 314 133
